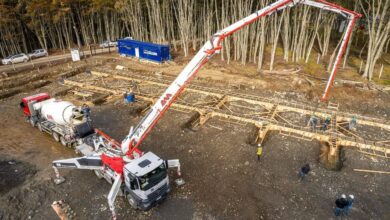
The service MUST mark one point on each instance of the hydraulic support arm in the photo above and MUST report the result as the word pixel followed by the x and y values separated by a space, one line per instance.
pixel 93 162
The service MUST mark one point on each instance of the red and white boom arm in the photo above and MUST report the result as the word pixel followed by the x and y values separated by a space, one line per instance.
pixel 213 46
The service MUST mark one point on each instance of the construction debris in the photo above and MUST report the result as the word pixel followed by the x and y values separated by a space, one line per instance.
pixel 63 210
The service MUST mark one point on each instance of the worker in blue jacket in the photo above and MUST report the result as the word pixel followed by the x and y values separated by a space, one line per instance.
pixel 350 200
pixel 341 204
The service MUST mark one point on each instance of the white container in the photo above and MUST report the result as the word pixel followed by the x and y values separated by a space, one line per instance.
pixel 59 112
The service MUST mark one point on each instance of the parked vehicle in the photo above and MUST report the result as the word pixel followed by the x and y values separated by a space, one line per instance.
pixel 38 53
pixel 7 60
pixel 18 58
pixel 109 44
pixel 61 119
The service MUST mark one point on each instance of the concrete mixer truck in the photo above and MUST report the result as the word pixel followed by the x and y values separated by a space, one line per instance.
pixel 61 119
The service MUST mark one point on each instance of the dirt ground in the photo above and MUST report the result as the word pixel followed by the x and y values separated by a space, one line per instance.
pixel 223 178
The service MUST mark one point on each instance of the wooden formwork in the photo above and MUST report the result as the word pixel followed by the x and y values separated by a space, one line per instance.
pixel 270 120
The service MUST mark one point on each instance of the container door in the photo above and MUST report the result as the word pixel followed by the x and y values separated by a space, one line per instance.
pixel 137 52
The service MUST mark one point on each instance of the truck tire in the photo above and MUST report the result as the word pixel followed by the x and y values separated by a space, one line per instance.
pixel 56 136
pixel 32 121
pixel 99 174
pixel 63 141
pixel 131 201
pixel 40 128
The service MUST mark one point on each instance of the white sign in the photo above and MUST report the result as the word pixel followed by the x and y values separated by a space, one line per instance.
pixel 75 55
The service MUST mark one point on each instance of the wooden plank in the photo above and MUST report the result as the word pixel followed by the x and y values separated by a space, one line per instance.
pixel 83 94
pixel 372 171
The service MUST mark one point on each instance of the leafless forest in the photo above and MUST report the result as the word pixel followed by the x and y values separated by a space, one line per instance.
pixel 299 34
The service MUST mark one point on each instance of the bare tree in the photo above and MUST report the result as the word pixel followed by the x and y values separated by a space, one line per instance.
pixel 184 12
pixel 377 14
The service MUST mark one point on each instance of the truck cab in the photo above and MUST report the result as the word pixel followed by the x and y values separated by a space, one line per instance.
pixel 146 181
pixel 27 102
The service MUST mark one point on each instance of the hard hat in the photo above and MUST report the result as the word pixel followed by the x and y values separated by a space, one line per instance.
pixel 343 196
pixel 352 196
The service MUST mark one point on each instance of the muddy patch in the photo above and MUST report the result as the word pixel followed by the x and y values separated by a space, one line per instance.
pixel 13 173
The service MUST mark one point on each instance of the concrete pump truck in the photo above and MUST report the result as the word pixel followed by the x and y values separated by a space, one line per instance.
pixel 142 177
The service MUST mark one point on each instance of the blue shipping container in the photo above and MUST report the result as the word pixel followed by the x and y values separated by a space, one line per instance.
pixel 143 50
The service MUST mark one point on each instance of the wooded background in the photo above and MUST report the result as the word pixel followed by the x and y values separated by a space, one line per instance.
pixel 299 34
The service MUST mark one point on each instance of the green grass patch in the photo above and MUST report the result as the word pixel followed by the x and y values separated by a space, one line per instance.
pixel 384 82
pixel 313 68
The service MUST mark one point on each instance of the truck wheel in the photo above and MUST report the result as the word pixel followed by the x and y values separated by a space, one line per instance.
pixel 63 141
pixel 39 125
pixel 32 122
pixel 131 201
pixel 99 174
pixel 56 136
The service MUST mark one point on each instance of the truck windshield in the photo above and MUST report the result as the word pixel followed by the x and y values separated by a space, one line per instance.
pixel 152 178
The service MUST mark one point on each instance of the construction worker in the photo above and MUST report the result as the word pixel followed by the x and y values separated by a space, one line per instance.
pixel 304 171
pixel 86 111
pixel 259 151
pixel 341 203
pixel 326 124
pixel 352 124
pixel 349 205
pixel 313 122
pixel 131 96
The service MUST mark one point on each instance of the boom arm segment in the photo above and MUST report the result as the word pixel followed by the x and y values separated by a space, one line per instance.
pixel 213 46
pixel 352 17
pixel 85 163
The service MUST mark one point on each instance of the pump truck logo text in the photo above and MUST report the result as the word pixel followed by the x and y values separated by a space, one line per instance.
pixel 166 99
